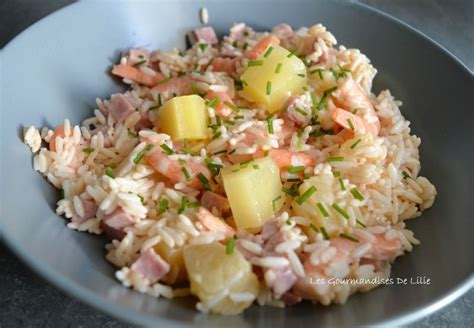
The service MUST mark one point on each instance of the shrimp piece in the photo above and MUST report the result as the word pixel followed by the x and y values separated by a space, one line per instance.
pixel 226 65
pixel 283 157
pixel 177 172
pixel 177 85
pixel 261 46
pixel 134 74
pixel 214 224
pixel 346 118
pixel 221 108
pixel 350 96
pixel 57 132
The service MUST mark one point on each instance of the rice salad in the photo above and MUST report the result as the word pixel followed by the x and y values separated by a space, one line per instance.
pixel 256 169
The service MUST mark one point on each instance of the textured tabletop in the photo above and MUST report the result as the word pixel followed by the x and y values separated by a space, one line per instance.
pixel 26 300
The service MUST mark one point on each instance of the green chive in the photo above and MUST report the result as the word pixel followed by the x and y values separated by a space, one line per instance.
pixel 245 46
pixel 194 204
pixel 312 226
pixel 138 158
pixel 88 150
pixel 322 209
pixel 278 68
pixel 255 166
pixel 239 117
pixel 220 152
pixel 268 52
pixel 363 225
pixel 64 196
pixel 213 167
pixel 274 203
pixel 340 211
pixel 232 151
pixel 229 122
pixel 319 71
pixel 246 33
pixel 166 149
pixel 204 181
pixel 336 174
pixel 291 54
pixel 294 169
pixel 350 124
pixel 288 222
pixel 217 135
pixel 131 134
pixel 406 175
pixel 252 63
pixel 184 202
pixel 325 233
pixel 269 88
pixel 356 143
pixel 149 147
pixel 301 75
pixel 355 111
pixel 334 73
pixel 270 125
pixel 343 235
pixel 213 102
pixel 235 44
pixel 203 46
pixel 165 80
pixel 231 106
pixel 109 172
pixel 186 174
pixel 140 62
pixel 341 184
pixel 290 191
pixel 302 112
pixel 335 159
pixel 357 195
pixel 163 206
pixel 311 190
pixel 229 247
pixel 142 200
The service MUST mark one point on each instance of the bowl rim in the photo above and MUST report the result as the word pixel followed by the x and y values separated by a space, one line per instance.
pixel 73 289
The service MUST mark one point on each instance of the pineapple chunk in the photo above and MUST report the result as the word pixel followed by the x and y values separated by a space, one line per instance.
pixel 183 117
pixel 174 257
pixel 212 272
pixel 254 191
pixel 264 86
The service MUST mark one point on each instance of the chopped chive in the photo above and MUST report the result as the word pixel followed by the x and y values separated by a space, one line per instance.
pixel 343 235
pixel 350 124
pixel 235 44
pixel 186 174
pixel 229 247
pixel 231 106
pixel 270 125
pixel 184 202
pixel 322 209
pixel 311 190
pixel 305 62
pixel 131 134
pixel 274 203
pixel 149 147
pixel 141 62
pixel 142 200
pixel 302 112
pixel 406 175
pixel 246 33
pixel 291 54
pixel 268 52
pixel 335 159
pixel 355 111
pixel 269 88
pixel 291 191
pixel 252 63
pixel 218 120
pixel 336 174
pixel 255 166
pixel 244 83
pixel 113 166
pixel 294 169
pixel 357 195
pixel 229 122
pixel 340 211
pixel 217 135
pixel 138 158
pixel 204 181
pixel 301 75
pixel 213 167
pixel 363 225
pixel 109 172
pixel 163 206
pixel 356 143
pixel 203 46
pixel 232 151
pixel 334 73
pixel 294 180
pixel 194 204
pixel 341 184
pixel 62 194
pixel 153 108
pixel 245 46
pixel 194 88
pixel 265 153
pixel 288 222
pixel 88 150
pixel 312 226
pixel 239 117
pixel 314 101
pixel 325 233
pixel 213 102
pixel 220 152
pixel 319 71
pixel 278 68
pixel 166 149
pixel 165 80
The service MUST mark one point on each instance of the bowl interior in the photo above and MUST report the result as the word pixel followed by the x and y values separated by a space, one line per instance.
pixel 59 66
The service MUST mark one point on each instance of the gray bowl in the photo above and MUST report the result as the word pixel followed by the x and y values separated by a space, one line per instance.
pixel 57 67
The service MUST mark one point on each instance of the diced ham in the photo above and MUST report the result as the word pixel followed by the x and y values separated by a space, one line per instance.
pixel 151 266
pixel 120 107
pixel 114 223
pixel 269 229
pixel 205 34
pixel 283 31
pixel 284 280
pixel 90 210
pixel 138 55
pixel 212 200
pixel 237 32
